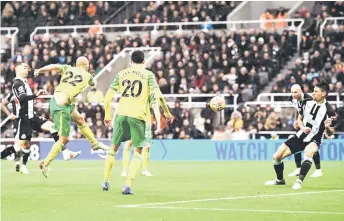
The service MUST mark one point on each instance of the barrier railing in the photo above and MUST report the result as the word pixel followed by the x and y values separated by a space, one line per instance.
pixel 322 26
pixel 282 133
pixel 110 65
pixel 13 35
pixel 180 25
pixel 272 99
pixel 125 50
pixel 184 104
pixel 254 136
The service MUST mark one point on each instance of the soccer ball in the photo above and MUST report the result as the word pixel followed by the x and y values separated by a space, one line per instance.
pixel 217 103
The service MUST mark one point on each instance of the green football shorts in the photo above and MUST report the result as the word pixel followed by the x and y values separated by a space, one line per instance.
pixel 61 116
pixel 129 128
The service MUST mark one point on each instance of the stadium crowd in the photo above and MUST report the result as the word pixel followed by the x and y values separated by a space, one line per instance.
pixel 237 63
pixel 184 11
pixel 26 15
pixel 240 63
pixel 322 57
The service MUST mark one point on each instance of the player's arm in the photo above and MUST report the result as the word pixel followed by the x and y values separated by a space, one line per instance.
pixel 300 124
pixel 160 98
pixel 329 122
pixel 50 67
pixel 20 92
pixel 108 98
pixel 92 82
pixel 296 116
pixel 4 108
pixel 156 110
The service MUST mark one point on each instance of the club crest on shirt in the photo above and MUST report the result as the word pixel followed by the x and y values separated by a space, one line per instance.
pixel 21 89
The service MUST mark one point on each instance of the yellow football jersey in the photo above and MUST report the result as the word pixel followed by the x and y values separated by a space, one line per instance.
pixel 73 81
pixel 135 85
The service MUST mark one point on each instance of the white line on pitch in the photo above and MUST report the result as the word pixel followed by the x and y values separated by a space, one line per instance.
pixel 228 198
pixel 57 169
pixel 241 210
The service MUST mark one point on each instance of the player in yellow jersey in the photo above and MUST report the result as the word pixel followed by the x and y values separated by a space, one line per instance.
pixel 135 84
pixel 62 106
pixel 148 133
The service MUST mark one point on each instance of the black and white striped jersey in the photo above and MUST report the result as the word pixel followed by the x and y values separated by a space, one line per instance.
pixel 313 116
pixel 298 104
pixel 10 99
pixel 23 98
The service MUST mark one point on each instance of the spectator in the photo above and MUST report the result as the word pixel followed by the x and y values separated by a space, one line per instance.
pixel 91 9
pixel 96 29
pixel 236 121
pixel 95 96
pixel 264 17
pixel 282 14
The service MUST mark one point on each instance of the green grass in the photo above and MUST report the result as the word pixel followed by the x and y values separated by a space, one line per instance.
pixel 73 192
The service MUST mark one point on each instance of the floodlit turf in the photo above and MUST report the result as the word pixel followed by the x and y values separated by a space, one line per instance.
pixel 222 190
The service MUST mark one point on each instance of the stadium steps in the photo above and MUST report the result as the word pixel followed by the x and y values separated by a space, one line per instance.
pixel 283 72
pixel 127 11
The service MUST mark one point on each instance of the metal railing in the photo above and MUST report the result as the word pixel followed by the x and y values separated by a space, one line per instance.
pixel 282 133
pixel 230 25
pixel 13 36
pixel 184 104
pixel 272 101
pixel 122 53
pixel 322 26
pixel 253 136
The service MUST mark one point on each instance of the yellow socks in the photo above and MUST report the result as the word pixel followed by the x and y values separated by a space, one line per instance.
pixel 55 150
pixel 87 132
pixel 109 162
pixel 126 157
pixel 134 168
pixel 145 158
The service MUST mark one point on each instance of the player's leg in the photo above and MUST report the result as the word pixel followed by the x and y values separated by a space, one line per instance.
pixel 17 145
pixel 310 150
pixel 86 130
pixel 23 133
pixel 17 156
pixel 25 144
pixel 45 125
pixel 137 131
pixel 7 152
pixel 318 171
pixel 298 159
pixel 282 152
pixel 145 160
pixel 126 158
pixel 146 151
pixel 120 128
pixel 62 119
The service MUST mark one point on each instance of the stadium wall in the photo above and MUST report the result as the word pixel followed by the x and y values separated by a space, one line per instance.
pixel 253 150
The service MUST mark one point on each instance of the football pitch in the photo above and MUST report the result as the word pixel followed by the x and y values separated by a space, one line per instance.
pixel 193 191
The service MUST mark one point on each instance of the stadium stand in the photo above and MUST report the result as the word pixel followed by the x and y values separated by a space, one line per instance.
pixel 29 14
pixel 160 12
pixel 242 62
pixel 251 55
pixel 321 57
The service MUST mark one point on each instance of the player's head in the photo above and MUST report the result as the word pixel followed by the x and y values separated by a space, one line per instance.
pixel 22 70
pixel 82 62
pixel 320 91
pixel 138 57
pixel 296 92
